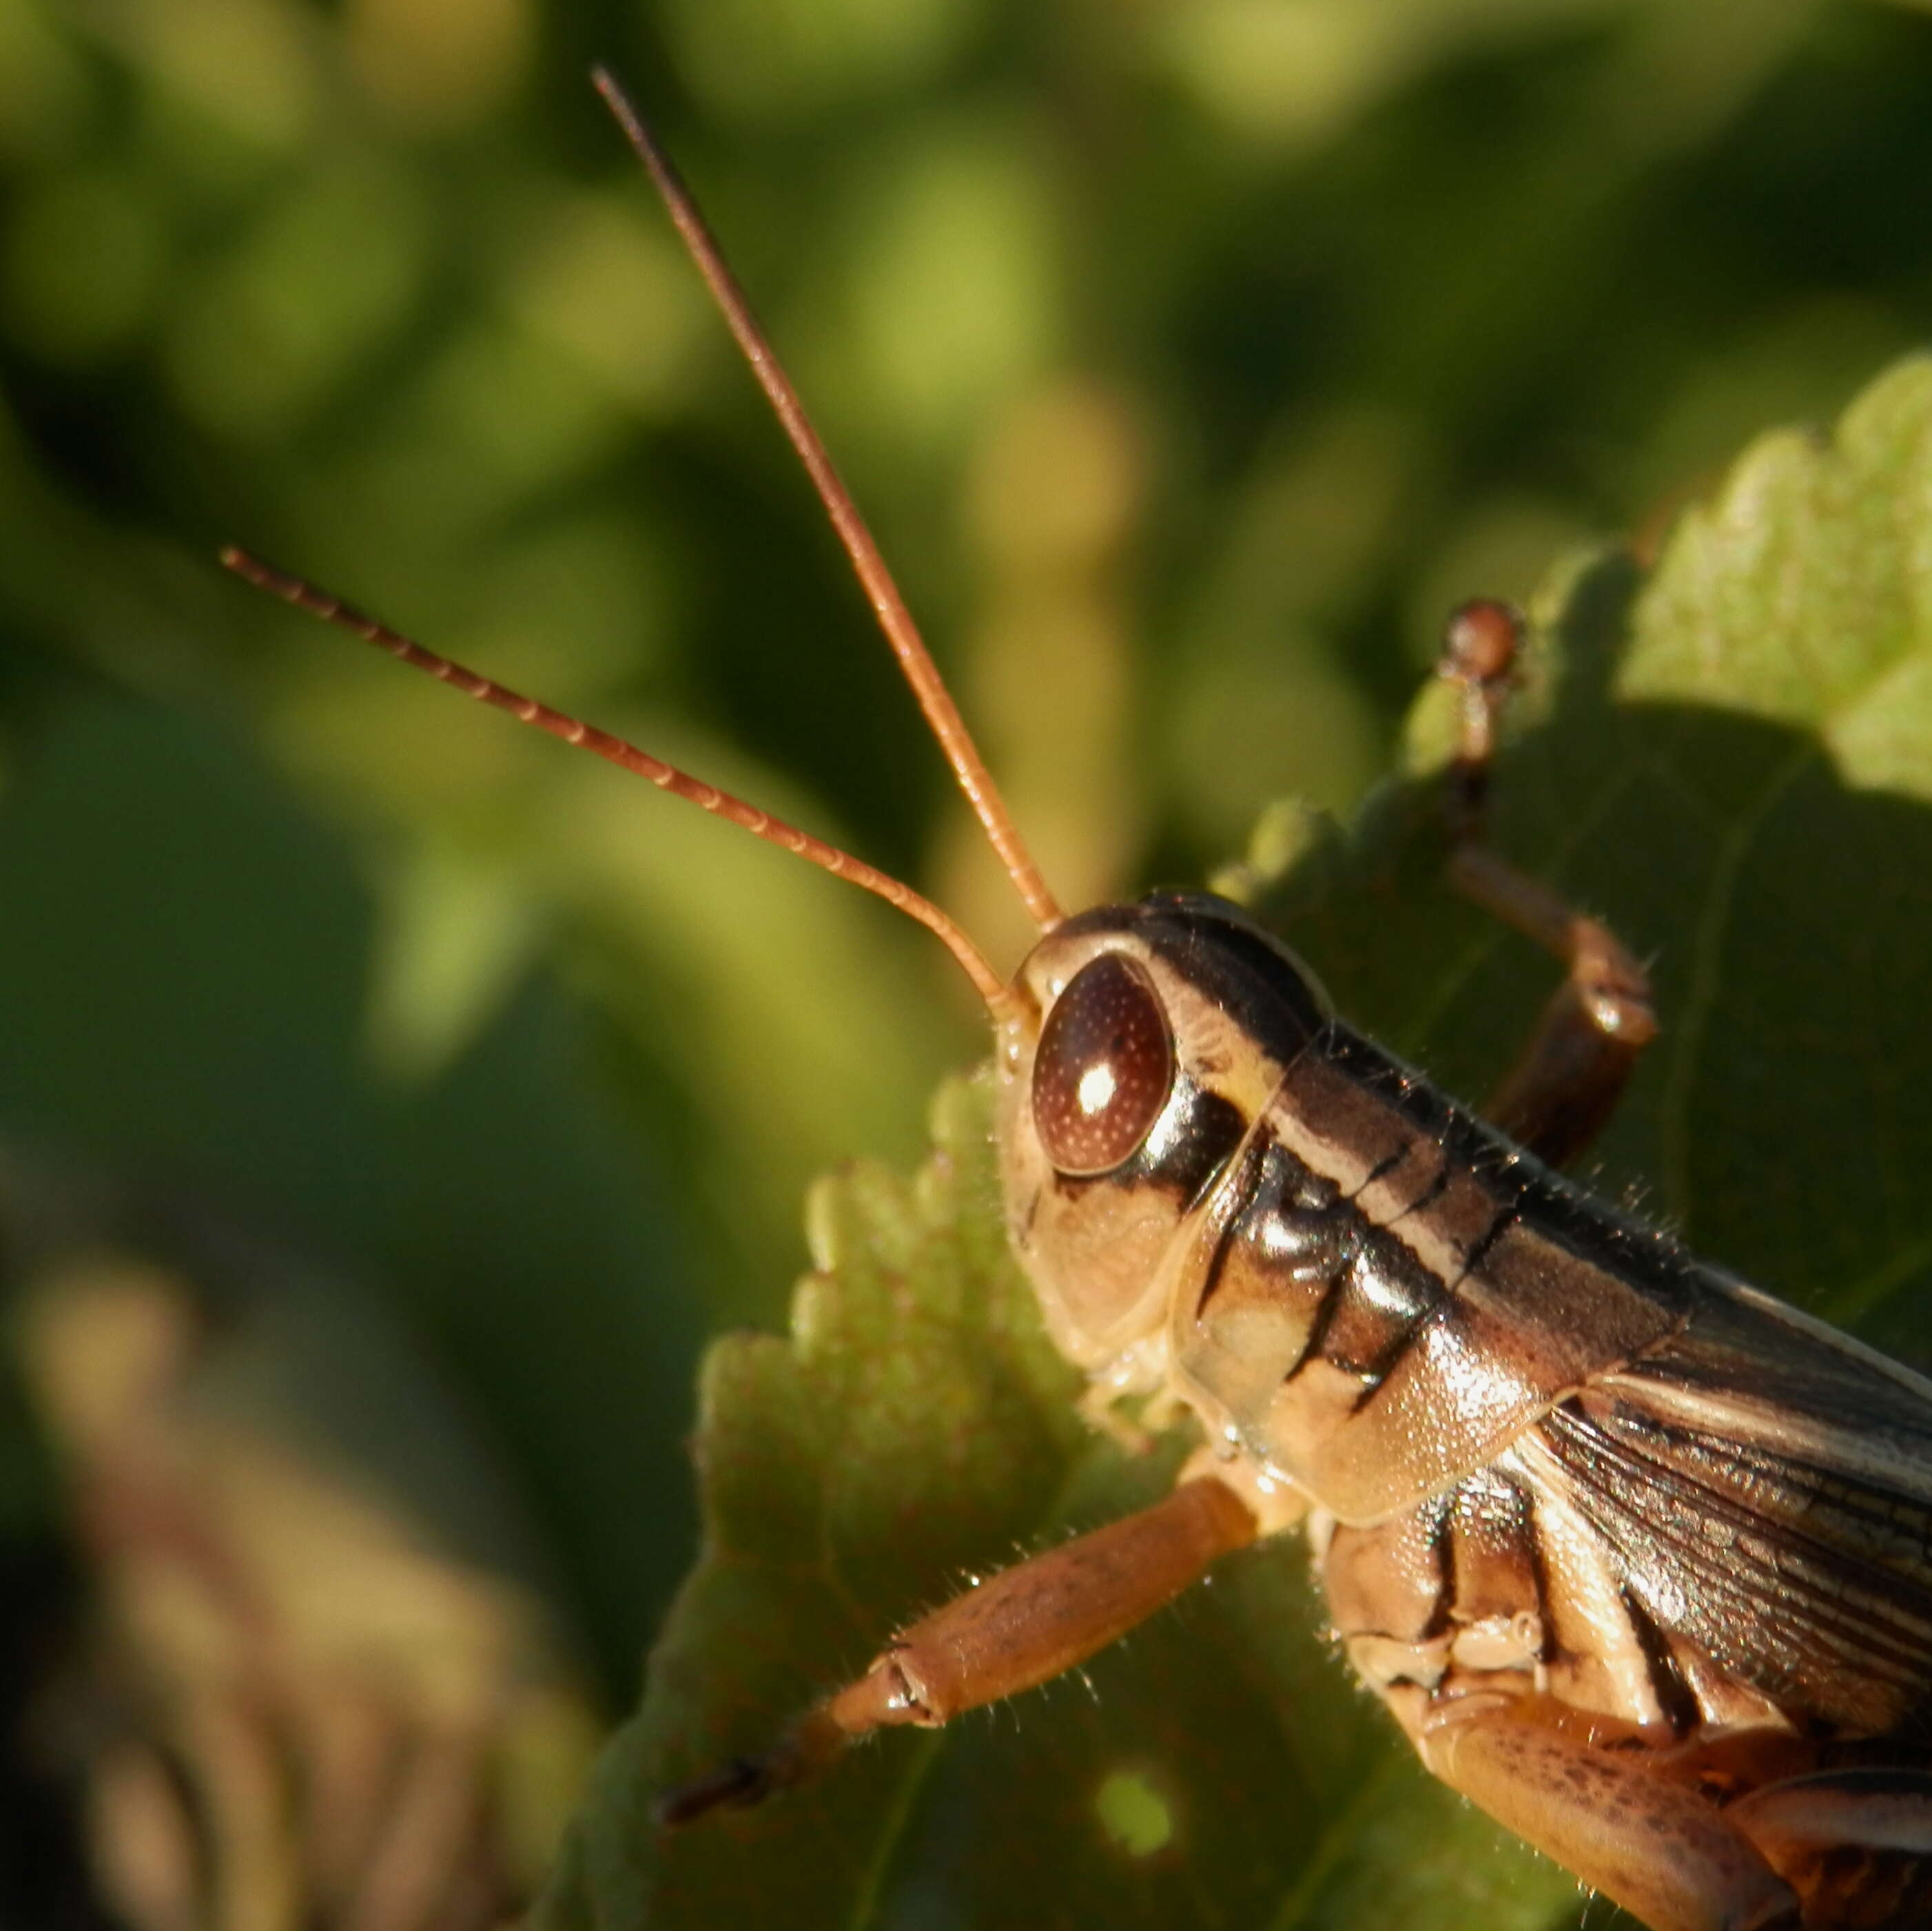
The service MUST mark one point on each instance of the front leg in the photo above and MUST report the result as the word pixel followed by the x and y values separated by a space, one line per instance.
pixel 1573 1070
pixel 1011 1632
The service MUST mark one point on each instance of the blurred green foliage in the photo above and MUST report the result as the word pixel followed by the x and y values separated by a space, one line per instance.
pixel 1190 357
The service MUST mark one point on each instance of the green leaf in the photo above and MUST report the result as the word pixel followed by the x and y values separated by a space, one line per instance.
pixel 1731 758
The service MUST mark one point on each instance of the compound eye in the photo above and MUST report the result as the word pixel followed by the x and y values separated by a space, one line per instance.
pixel 1105 1064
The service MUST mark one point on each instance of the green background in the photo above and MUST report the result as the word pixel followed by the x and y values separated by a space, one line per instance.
pixel 1189 358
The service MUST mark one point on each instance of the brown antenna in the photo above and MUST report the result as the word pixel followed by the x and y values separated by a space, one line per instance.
pixel 895 619
pixel 666 777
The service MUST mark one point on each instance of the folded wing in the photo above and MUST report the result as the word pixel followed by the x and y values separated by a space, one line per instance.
pixel 1766 1484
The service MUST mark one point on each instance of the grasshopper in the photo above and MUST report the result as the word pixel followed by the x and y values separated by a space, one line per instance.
pixel 1638 1558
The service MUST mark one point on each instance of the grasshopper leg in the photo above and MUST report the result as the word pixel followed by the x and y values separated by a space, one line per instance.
pixel 1856 1844
pixel 1014 1631
pixel 1574 1067
pixel 1665 1853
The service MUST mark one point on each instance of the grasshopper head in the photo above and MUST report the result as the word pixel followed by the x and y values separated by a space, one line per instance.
pixel 1136 1049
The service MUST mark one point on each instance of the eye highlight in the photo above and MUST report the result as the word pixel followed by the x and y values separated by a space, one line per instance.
pixel 1103 1069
